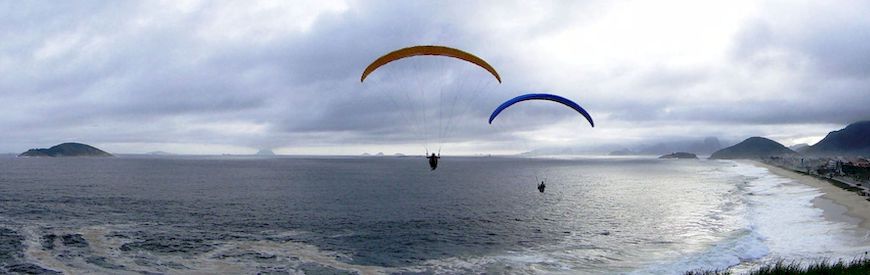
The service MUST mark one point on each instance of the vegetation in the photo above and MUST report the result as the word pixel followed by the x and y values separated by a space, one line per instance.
pixel 857 266
pixel 69 149
pixel 753 148
pixel 849 141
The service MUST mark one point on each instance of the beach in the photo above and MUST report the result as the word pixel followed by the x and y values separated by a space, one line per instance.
pixel 838 204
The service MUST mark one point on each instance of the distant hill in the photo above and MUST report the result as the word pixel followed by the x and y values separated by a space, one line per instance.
pixel 265 152
pixel 800 147
pixel 753 148
pixel 69 149
pixel 159 153
pixel 679 155
pixel 704 147
pixel 854 140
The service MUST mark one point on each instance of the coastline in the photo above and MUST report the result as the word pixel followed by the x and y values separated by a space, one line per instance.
pixel 837 203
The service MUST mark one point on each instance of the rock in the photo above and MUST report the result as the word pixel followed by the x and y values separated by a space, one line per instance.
pixel 69 149
pixel 679 155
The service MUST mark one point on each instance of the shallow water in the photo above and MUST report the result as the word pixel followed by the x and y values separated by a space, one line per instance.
pixel 392 215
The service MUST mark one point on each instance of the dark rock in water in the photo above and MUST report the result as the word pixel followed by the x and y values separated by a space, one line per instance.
pixel 27 268
pixel 47 241
pixel 854 140
pixel 69 149
pixel 753 148
pixel 11 246
pixel 679 155
pixel 74 240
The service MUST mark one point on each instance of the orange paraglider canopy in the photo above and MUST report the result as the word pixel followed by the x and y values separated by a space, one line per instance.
pixel 428 50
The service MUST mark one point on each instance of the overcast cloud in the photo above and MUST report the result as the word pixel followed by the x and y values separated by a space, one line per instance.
pixel 209 77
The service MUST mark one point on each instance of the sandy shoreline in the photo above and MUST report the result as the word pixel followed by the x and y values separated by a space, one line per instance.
pixel 838 204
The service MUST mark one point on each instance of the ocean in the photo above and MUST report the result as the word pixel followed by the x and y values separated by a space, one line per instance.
pixel 372 215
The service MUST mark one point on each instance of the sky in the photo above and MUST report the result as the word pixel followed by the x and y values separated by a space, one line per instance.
pixel 233 77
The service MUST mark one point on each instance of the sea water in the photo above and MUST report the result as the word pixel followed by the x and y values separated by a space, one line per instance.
pixel 370 215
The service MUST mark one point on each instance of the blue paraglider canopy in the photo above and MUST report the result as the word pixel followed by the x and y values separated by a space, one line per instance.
pixel 550 97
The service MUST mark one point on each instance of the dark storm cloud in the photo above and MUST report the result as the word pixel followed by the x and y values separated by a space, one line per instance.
pixel 832 39
pixel 825 48
pixel 231 73
pixel 791 64
pixel 96 64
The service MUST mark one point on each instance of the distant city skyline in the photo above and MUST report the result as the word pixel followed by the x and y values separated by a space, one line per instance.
pixel 198 77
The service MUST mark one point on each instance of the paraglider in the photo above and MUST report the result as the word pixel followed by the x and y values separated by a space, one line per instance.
pixel 432 99
pixel 433 161
pixel 428 50
pixel 550 97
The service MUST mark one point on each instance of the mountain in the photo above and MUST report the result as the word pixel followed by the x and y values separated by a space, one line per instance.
pixel 265 152
pixel 753 148
pixel 854 140
pixel 704 147
pixel 69 149
pixel 800 147
pixel 159 153
pixel 679 155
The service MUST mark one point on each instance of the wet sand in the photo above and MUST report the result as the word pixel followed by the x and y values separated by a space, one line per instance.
pixel 838 204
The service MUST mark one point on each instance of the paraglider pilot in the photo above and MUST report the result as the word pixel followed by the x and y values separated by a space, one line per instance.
pixel 433 161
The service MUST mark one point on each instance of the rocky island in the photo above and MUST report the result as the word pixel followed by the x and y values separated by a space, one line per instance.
pixel 69 149
pixel 679 155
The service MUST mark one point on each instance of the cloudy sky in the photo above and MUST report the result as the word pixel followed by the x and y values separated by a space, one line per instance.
pixel 206 77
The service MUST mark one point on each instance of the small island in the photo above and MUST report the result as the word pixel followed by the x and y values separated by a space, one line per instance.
pixel 679 155
pixel 69 149
pixel 265 152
